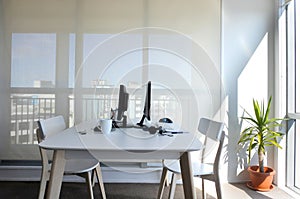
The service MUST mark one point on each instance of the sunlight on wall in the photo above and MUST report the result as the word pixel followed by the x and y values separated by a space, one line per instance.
pixel 253 83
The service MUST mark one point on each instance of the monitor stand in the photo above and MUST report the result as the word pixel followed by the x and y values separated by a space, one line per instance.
pixel 141 123
pixel 122 123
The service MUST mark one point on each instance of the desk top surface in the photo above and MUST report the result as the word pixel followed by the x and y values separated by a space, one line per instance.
pixel 129 139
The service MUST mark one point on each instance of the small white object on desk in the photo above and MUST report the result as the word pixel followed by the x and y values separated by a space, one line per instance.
pixel 106 125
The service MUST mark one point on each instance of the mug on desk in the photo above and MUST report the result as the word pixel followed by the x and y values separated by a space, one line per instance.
pixel 105 125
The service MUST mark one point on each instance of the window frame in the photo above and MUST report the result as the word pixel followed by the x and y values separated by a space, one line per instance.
pixel 292 95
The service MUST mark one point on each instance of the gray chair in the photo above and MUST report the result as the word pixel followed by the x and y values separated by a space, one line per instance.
pixel 213 132
pixel 81 167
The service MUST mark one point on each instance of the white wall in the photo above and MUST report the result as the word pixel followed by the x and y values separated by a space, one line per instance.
pixel 248 45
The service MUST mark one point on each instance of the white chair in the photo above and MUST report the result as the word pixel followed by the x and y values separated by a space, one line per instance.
pixel 213 132
pixel 81 167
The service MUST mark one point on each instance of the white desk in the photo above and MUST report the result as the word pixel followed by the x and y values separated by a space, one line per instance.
pixel 124 144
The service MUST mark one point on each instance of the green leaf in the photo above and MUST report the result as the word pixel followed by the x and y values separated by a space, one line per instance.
pixel 261 130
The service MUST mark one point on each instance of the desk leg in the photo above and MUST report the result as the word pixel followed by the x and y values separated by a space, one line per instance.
pixel 56 175
pixel 187 176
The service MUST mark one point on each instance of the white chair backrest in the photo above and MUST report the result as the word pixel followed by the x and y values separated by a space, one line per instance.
pixel 51 126
pixel 210 128
pixel 218 155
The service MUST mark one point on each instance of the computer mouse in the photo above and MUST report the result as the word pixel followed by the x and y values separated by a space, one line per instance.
pixel 165 120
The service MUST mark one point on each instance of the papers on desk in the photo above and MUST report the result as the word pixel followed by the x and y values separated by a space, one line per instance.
pixel 172 131
pixel 137 133
pixel 171 128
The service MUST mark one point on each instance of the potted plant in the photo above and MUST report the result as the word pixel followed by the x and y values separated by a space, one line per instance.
pixel 260 133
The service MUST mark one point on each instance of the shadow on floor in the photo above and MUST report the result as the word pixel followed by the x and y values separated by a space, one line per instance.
pixel 274 193
pixel 29 190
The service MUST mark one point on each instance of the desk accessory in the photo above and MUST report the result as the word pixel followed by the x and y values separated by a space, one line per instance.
pixel 106 125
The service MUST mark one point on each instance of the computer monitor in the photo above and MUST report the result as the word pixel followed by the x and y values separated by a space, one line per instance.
pixel 123 104
pixel 146 112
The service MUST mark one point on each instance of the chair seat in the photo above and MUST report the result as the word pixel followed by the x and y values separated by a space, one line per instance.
pixel 77 166
pixel 213 132
pixel 199 169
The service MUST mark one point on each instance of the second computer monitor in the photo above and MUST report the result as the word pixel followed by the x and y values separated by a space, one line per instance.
pixel 123 102
pixel 147 105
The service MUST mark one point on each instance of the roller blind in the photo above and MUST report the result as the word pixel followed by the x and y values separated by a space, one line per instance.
pixel 58 53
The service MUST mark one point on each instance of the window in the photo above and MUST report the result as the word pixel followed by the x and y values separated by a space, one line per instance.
pixel 33 60
pixel 292 46
pixel 33 65
pixel 109 59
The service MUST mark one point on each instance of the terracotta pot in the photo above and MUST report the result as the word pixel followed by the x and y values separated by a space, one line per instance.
pixel 261 181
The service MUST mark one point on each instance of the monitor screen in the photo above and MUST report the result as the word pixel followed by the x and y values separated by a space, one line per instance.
pixel 123 102
pixel 146 112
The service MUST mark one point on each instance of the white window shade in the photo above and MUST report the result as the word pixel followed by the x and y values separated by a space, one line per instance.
pixel 76 28
pixel 199 19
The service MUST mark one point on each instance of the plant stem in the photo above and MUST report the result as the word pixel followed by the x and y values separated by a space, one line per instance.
pixel 261 157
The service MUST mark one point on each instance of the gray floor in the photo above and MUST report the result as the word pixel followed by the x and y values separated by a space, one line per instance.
pixel 28 190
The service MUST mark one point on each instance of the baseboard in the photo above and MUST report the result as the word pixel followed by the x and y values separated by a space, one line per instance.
pixel 112 173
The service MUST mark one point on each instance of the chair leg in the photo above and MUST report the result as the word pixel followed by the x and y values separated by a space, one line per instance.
pixel 100 181
pixel 167 183
pixel 88 179
pixel 162 183
pixel 173 186
pixel 93 178
pixel 203 190
pixel 44 178
pixel 218 187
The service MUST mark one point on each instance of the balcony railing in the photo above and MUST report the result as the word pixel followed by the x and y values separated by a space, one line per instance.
pixel 27 110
